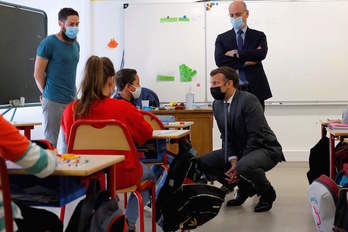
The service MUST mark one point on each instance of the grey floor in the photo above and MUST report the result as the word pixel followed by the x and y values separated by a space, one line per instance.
pixel 290 213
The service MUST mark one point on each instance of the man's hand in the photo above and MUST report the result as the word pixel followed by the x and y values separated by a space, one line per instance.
pixel 232 53
pixel 250 63
pixel 231 174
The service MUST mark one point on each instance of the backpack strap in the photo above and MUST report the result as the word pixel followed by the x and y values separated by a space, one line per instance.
pixel 330 185
pixel 341 210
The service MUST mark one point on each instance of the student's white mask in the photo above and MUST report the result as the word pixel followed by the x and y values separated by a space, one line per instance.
pixel 137 92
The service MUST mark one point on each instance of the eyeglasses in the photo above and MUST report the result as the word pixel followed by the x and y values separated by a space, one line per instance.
pixel 236 15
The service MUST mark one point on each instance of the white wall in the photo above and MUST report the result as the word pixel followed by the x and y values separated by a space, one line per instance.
pixel 297 127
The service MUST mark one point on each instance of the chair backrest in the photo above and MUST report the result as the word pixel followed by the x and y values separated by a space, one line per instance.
pixel 100 137
pixel 5 195
pixel 153 120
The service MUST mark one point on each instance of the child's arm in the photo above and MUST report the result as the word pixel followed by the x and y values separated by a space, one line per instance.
pixel 17 148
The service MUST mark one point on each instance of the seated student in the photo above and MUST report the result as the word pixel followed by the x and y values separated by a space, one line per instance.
pixel 128 85
pixel 129 89
pixel 97 86
pixel 35 161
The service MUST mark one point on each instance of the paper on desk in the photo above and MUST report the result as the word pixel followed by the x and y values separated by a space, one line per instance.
pixel 12 165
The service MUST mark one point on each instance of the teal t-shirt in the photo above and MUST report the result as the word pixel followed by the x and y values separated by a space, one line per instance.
pixel 61 68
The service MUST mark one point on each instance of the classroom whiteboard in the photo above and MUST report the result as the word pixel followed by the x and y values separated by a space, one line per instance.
pixel 154 47
pixel 308 46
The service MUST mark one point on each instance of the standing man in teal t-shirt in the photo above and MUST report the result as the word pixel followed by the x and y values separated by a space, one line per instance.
pixel 55 71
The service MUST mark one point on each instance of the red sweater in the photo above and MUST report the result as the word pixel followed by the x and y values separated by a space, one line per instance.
pixel 126 113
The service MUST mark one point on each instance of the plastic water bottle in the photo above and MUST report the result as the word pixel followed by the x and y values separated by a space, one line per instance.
pixel 189 97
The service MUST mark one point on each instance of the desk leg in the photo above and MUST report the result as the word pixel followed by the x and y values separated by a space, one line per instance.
pixel 27 132
pixel 332 156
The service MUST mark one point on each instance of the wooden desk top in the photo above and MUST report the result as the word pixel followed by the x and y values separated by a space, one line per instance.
pixel 170 134
pixel 186 111
pixel 22 124
pixel 178 125
pixel 338 132
pixel 326 122
pixel 95 163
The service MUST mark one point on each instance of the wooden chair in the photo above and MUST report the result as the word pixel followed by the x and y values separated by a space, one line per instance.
pixel 111 137
pixel 6 196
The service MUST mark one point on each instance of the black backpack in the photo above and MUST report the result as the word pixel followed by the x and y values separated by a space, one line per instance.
pixel 186 206
pixel 98 212
pixel 341 215
pixel 319 160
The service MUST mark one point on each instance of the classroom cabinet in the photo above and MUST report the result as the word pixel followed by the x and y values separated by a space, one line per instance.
pixel 201 131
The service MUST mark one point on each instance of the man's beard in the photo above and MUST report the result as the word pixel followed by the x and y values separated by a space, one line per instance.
pixel 66 38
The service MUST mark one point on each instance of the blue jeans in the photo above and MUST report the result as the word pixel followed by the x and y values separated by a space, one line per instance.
pixel 132 206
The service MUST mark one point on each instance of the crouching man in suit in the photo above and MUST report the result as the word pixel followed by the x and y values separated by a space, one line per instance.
pixel 249 146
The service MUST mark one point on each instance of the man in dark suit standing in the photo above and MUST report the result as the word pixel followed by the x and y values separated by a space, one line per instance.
pixel 249 146
pixel 243 49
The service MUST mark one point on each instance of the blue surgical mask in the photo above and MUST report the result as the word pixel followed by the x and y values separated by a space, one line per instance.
pixel 71 32
pixel 237 23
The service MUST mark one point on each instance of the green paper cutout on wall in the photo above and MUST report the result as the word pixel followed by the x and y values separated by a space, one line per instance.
pixel 169 20
pixel 186 73
pixel 165 78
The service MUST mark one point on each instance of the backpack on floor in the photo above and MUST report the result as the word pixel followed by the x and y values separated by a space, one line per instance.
pixel 98 212
pixel 319 160
pixel 322 195
pixel 341 216
pixel 183 204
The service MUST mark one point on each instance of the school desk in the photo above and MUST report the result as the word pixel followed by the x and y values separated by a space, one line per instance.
pixel 27 127
pixel 334 133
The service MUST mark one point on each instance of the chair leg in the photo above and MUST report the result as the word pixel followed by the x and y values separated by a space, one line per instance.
pixel 62 214
pixel 125 224
pixel 141 210
pixel 125 200
pixel 153 192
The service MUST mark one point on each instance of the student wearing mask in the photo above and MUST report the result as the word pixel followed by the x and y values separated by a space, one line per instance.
pixel 55 71
pixel 128 85
pixel 35 161
pixel 97 87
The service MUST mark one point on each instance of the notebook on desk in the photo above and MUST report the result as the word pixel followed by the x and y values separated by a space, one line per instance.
pixel 338 126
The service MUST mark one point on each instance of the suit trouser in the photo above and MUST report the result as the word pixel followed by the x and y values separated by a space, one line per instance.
pixel 252 167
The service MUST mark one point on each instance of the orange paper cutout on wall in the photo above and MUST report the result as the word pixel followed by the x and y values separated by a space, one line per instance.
pixel 112 43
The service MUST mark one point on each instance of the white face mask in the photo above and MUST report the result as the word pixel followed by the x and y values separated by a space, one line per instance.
pixel 137 92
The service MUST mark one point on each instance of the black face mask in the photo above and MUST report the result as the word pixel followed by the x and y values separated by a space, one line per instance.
pixel 217 94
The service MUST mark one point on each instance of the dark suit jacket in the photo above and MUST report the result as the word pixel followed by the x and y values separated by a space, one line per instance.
pixel 258 83
pixel 248 129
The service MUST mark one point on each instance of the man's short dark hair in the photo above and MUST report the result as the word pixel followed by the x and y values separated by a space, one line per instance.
pixel 229 74
pixel 65 12
pixel 124 77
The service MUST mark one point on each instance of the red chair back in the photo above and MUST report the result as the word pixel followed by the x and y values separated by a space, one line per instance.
pixel 100 137
pixel 153 120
